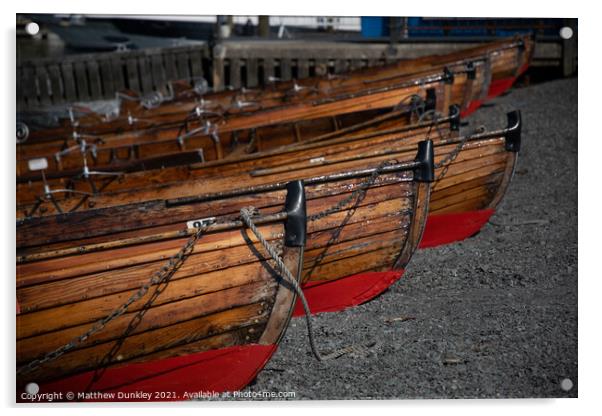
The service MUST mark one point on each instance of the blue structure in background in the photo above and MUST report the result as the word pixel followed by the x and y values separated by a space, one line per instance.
pixel 374 26
pixel 416 27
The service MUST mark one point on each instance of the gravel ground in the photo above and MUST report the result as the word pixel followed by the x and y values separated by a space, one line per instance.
pixel 493 316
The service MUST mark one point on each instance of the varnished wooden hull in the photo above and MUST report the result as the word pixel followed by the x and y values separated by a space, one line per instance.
pixel 342 240
pixel 464 200
pixel 464 195
pixel 276 125
pixel 27 193
pixel 480 174
pixel 353 148
pixel 225 305
pixel 224 309
pixel 498 53
pixel 492 71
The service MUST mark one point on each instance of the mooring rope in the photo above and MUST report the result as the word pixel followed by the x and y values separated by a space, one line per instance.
pixel 246 215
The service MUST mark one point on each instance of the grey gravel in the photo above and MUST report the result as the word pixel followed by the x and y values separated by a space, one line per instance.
pixel 493 316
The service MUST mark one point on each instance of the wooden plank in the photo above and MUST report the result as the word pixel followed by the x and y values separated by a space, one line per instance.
pixel 69 81
pixel 252 78
pixel 81 80
pixel 132 74
pixel 235 81
pixel 103 283
pixel 268 70
pixel 171 70
pixel 152 346
pixel 159 78
pixel 146 82
pixel 181 290
pixel 119 78
pixel 94 80
pixel 56 87
pixel 106 76
pixel 42 84
pixel 30 348
pixel 302 68
pixel 487 176
pixel 196 64
pixel 183 66
pixel 285 69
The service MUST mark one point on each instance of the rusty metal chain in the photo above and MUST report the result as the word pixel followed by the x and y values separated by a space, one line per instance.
pixel 454 154
pixel 355 194
pixel 170 267
pixel 447 160
pixel 174 263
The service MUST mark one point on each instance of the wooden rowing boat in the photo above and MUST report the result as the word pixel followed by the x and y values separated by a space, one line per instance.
pixel 215 140
pixel 355 147
pixel 471 177
pixel 76 268
pixel 504 61
pixel 476 75
pixel 209 319
pixel 378 231
pixel 31 189
pixel 471 181
pixel 473 172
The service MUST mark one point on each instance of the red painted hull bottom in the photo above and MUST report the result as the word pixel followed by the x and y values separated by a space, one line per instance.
pixel 496 88
pixel 231 369
pixel 336 295
pixel 443 229
pixel 177 378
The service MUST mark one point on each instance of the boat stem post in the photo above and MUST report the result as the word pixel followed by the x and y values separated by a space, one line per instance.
pixel 425 171
pixel 295 228
pixel 514 131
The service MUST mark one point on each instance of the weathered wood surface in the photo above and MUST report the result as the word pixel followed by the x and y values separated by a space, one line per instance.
pixel 221 277
pixel 96 76
pixel 275 137
pixel 493 55
pixel 213 306
pixel 359 153
pixel 364 147
pixel 225 294
pixel 162 142
pixel 247 102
